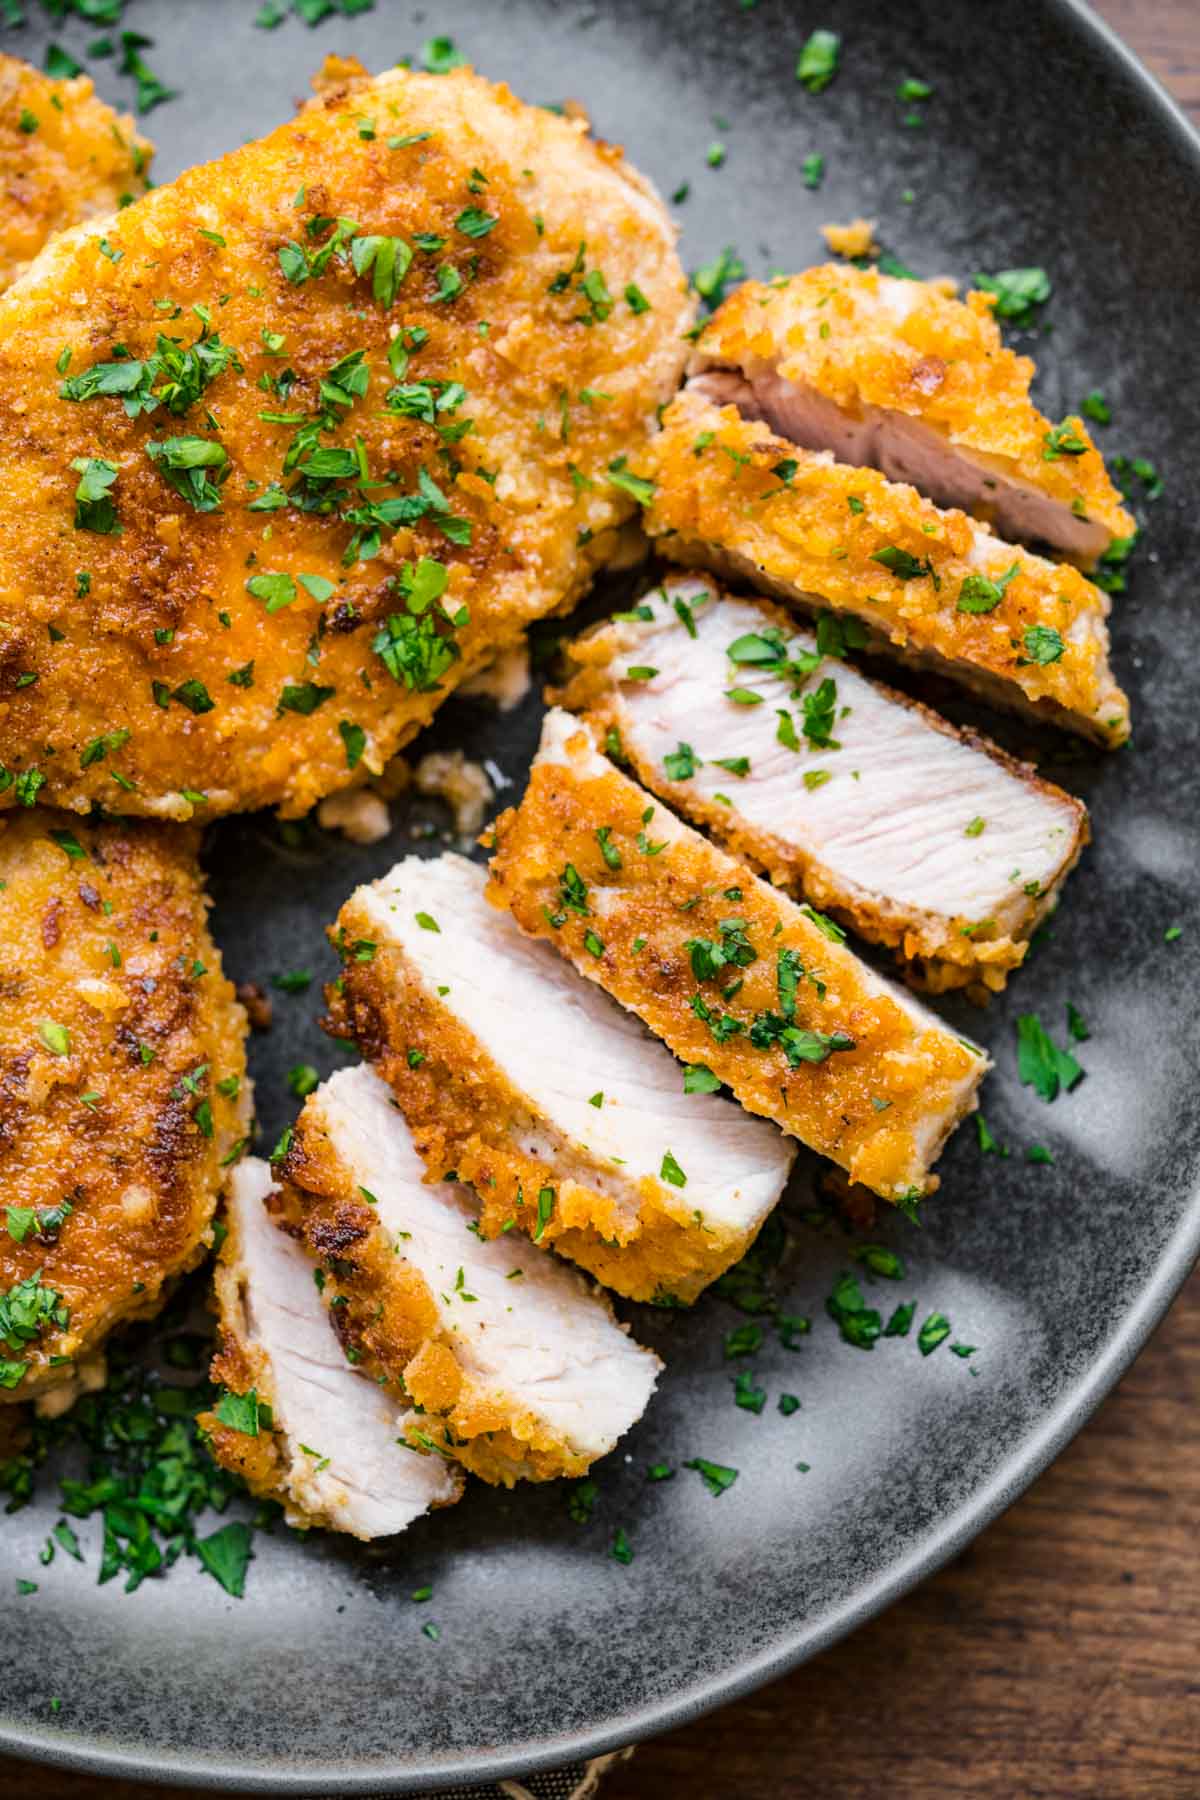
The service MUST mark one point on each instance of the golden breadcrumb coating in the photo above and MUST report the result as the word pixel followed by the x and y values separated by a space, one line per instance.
pixel 873 1082
pixel 939 951
pixel 854 239
pixel 863 339
pixel 387 1317
pixel 450 313
pixel 122 1080
pixel 730 494
pixel 465 1114
pixel 64 156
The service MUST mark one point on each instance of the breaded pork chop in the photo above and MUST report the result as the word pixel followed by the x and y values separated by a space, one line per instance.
pixel 565 1130
pixel 515 1365
pixel 934 588
pixel 297 1422
pixel 64 156
pixel 122 1085
pixel 730 973
pixel 323 425
pixel 894 374
pixel 868 805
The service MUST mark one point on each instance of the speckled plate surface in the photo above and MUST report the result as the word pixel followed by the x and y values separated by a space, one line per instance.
pixel 1042 144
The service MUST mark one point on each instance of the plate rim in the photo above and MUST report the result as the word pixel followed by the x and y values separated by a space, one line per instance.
pixel 1025 1463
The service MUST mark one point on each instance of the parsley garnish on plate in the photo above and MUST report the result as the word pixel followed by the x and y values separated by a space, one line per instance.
pixel 1017 292
pixel 717 1477
pixel 818 61
pixel 1041 1065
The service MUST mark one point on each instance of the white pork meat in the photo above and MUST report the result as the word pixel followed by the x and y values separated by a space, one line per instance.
pixel 514 1364
pixel 918 835
pixel 529 1082
pixel 297 1421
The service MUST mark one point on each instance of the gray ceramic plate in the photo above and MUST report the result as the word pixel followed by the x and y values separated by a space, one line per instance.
pixel 1042 144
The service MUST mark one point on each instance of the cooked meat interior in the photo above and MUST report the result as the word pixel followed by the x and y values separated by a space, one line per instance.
pixel 870 806
pixel 934 587
pixel 529 1082
pixel 896 375
pixel 728 971
pixel 122 1087
pixel 516 1364
pixel 338 415
pixel 64 157
pixel 303 1427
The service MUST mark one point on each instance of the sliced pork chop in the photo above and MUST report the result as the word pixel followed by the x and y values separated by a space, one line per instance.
pixel 895 374
pixel 728 971
pixel 919 836
pixel 516 1364
pixel 529 1082
pixel 934 587
pixel 305 1428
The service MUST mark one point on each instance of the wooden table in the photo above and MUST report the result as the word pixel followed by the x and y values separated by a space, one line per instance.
pixel 1059 1657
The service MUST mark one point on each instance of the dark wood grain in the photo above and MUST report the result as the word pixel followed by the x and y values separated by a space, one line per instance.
pixel 1059 1658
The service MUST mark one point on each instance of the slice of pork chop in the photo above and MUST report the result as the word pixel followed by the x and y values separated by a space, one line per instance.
pixel 311 1432
pixel 934 587
pixel 515 1362
pixel 529 1082
pixel 896 375
pixel 919 836
pixel 730 972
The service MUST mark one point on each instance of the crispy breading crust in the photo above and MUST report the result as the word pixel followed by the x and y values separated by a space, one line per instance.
pixel 131 1126
pixel 932 948
pixel 166 602
pixel 239 1364
pixel 64 156
pixel 945 363
pixel 386 1314
pixel 465 1115
pixel 865 1108
pixel 719 503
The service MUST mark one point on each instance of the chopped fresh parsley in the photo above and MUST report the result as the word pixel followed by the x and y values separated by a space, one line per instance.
pixel 698 1078
pixel 1017 292
pixel 747 1394
pixel 671 1171
pixel 717 1478
pixel 980 595
pixel 711 281
pixel 903 565
pixel 933 1332
pixel 185 462
pixel 225 1554
pixel 681 763
pixel 1041 1065
pixel 818 61
pixel 858 1323
pixel 1060 441
pixel 1043 644
pixel 641 487
pixel 95 506
pixel 241 1412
